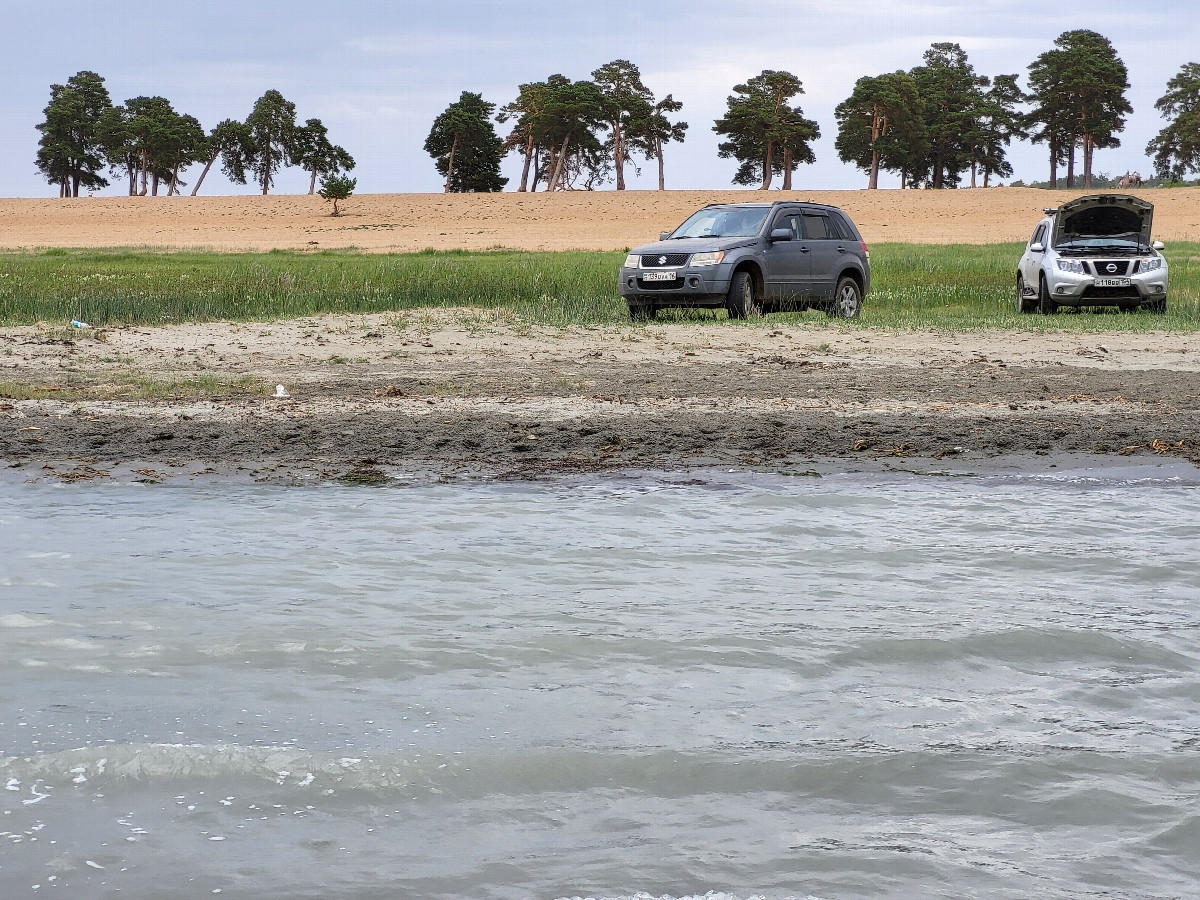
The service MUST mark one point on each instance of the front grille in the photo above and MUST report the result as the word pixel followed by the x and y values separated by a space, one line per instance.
pixel 664 260
pixel 1111 293
pixel 644 285
pixel 1102 270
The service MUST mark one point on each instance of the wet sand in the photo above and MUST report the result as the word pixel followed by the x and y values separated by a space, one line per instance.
pixel 465 393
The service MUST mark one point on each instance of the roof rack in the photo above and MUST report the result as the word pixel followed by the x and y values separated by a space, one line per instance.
pixel 1049 210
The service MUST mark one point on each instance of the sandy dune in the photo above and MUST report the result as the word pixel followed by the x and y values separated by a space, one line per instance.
pixel 604 220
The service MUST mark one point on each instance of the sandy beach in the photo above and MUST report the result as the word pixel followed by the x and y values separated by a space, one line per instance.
pixel 464 392
pixel 580 220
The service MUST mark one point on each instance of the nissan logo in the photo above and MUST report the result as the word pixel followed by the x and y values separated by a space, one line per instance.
pixel 662 261
pixel 1110 268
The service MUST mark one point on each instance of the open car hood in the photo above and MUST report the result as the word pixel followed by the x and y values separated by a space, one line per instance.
pixel 1104 215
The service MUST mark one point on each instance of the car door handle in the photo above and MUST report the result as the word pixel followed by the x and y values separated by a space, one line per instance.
pixel 803 249
pixel 841 249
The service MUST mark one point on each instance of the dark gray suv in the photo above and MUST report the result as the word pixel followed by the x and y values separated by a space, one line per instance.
pixel 752 258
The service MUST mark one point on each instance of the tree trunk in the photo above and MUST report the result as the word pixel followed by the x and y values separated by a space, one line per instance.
pixel 559 165
pixel 450 164
pixel 154 184
pixel 1071 164
pixel 312 182
pixel 144 165
pixel 172 188
pixel 528 158
pixel 208 165
pixel 662 184
pixel 1053 164
pixel 75 185
pixel 938 163
pixel 766 185
pixel 1088 148
pixel 537 169
pixel 972 173
pixel 266 179
pixel 986 175
pixel 619 155
pixel 787 168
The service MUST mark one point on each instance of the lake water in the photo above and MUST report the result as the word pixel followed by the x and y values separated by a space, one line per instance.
pixel 884 686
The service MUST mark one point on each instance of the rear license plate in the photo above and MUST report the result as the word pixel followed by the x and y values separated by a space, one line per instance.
pixel 1112 282
pixel 658 276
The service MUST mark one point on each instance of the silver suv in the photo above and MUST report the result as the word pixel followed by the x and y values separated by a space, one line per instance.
pixel 1093 251
pixel 751 258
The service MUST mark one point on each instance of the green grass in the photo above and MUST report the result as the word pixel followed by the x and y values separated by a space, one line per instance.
pixel 914 286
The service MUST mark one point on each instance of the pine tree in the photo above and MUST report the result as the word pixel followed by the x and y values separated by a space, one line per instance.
pixel 465 147
pixel 627 104
pixel 70 151
pixel 272 128
pixel 766 135
pixel 313 152
pixel 1176 149
pixel 880 125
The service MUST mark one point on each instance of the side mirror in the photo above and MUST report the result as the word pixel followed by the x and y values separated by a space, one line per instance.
pixel 664 235
pixel 781 234
pixel 1036 248
pixel 1159 245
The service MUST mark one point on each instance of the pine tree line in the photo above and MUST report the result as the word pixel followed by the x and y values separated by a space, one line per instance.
pixel 930 125
pixel 148 143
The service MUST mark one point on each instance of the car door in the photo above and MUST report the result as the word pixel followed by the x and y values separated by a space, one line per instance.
pixel 826 252
pixel 787 264
pixel 1031 270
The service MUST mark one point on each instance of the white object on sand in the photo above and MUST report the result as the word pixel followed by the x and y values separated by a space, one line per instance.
pixel 281 392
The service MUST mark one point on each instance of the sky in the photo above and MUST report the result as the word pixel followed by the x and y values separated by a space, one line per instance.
pixel 378 73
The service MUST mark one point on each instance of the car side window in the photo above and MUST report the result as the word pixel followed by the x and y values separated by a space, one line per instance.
pixel 1038 234
pixel 816 228
pixel 839 229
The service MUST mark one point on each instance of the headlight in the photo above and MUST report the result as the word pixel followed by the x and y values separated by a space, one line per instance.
pixel 632 261
pixel 1149 265
pixel 708 259
pixel 1070 265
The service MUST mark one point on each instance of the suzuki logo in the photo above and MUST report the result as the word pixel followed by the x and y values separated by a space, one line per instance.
pixel 662 261
pixel 1110 268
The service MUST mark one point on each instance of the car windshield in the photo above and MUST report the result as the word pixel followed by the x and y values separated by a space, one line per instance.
pixel 723 221
pixel 1107 228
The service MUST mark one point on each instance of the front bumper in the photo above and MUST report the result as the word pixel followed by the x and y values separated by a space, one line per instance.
pixel 1081 290
pixel 693 286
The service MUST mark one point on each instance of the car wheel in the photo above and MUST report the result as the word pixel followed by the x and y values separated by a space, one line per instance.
pixel 847 300
pixel 1046 306
pixel 1024 304
pixel 640 313
pixel 1157 306
pixel 740 302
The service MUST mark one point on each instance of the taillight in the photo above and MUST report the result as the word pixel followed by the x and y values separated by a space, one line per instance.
pixel 865 249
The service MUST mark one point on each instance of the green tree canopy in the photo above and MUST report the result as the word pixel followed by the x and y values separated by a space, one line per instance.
pixel 627 105
pixel 650 134
pixel 230 141
pixel 337 187
pixel 314 153
pixel 951 93
pixel 159 139
pixel 272 128
pixel 465 147
pixel 880 125
pixel 70 151
pixel 766 135
pixel 1078 91
pixel 1176 149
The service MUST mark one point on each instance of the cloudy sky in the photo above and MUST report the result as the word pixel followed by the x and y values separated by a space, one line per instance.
pixel 377 73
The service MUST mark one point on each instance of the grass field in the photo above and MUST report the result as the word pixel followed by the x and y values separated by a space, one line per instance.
pixel 957 287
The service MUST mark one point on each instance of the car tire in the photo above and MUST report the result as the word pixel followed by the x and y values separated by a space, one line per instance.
pixel 847 300
pixel 1158 307
pixel 740 302
pixel 640 313
pixel 1024 304
pixel 1046 306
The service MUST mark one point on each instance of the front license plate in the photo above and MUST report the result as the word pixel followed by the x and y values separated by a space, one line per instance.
pixel 1112 282
pixel 658 276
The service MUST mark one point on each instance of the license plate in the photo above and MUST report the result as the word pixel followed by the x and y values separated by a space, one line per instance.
pixel 658 276
pixel 1112 282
